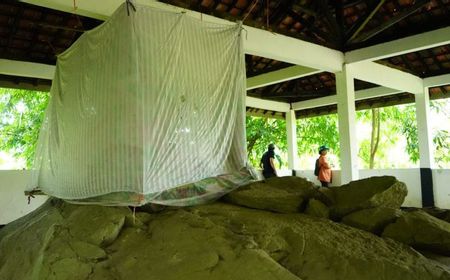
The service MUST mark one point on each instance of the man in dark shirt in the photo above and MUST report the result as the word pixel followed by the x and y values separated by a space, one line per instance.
pixel 268 162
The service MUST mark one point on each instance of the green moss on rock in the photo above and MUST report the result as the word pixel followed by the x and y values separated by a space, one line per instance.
pixel 422 231
pixel 216 241
pixel 317 209
pixel 373 220
pixel 372 192
pixel 279 194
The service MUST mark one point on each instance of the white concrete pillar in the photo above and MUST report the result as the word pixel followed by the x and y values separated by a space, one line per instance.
pixel 347 131
pixel 426 150
pixel 291 133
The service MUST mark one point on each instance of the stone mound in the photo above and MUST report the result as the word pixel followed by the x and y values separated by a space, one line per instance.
pixel 442 214
pixel 372 192
pixel 317 209
pixel 421 231
pixel 373 219
pixel 278 194
pixel 215 241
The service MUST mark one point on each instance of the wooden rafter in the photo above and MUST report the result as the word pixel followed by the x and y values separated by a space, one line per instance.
pixel 306 10
pixel 435 61
pixel 372 9
pixel 388 23
pixel 353 3
pixel 278 15
pixel 35 35
pixel 310 26
pixel 324 11
pixel 339 12
pixel 14 26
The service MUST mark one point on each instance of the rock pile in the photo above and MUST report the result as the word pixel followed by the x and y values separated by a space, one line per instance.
pixel 277 194
pixel 373 192
pixel 256 232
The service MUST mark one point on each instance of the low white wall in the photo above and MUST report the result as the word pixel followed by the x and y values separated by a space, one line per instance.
pixel 441 182
pixel 13 202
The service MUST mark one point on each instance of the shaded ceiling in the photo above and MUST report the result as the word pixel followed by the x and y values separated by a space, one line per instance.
pixel 37 34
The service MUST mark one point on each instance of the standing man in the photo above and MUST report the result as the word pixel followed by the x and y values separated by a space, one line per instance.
pixel 268 162
pixel 324 167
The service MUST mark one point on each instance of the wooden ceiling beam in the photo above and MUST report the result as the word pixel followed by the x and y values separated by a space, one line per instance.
pixel 358 26
pixel 276 16
pixel 324 12
pixel 388 23
pixel 301 9
pixel 257 41
pixel 339 11
pixel 353 3
pixel 311 27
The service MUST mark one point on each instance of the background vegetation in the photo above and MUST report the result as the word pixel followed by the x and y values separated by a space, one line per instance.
pixel 387 137
pixel 21 116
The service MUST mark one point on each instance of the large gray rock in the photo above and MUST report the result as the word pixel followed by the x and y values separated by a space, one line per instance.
pixel 372 192
pixel 373 219
pixel 422 231
pixel 216 241
pixel 279 194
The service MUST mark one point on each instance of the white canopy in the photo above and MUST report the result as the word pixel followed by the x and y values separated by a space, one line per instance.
pixel 146 102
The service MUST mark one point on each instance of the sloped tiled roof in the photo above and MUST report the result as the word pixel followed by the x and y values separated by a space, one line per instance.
pixel 37 34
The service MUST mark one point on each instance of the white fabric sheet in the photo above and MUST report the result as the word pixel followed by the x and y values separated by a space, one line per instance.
pixel 144 103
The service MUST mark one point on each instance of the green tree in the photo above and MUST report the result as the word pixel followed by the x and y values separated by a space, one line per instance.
pixel 317 131
pixel 388 124
pixel 260 133
pixel 441 137
pixel 311 134
pixel 21 116
pixel 372 151
pixel 368 148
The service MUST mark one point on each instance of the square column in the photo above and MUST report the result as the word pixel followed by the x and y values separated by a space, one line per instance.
pixel 291 133
pixel 426 150
pixel 347 132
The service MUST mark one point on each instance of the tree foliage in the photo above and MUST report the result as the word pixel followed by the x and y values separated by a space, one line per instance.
pixel 397 122
pixel 317 131
pixel 389 126
pixel 260 133
pixel 22 112
pixel 21 116
pixel 441 137
pixel 385 126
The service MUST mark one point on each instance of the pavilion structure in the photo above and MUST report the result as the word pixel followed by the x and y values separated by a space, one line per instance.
pixel 303 58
